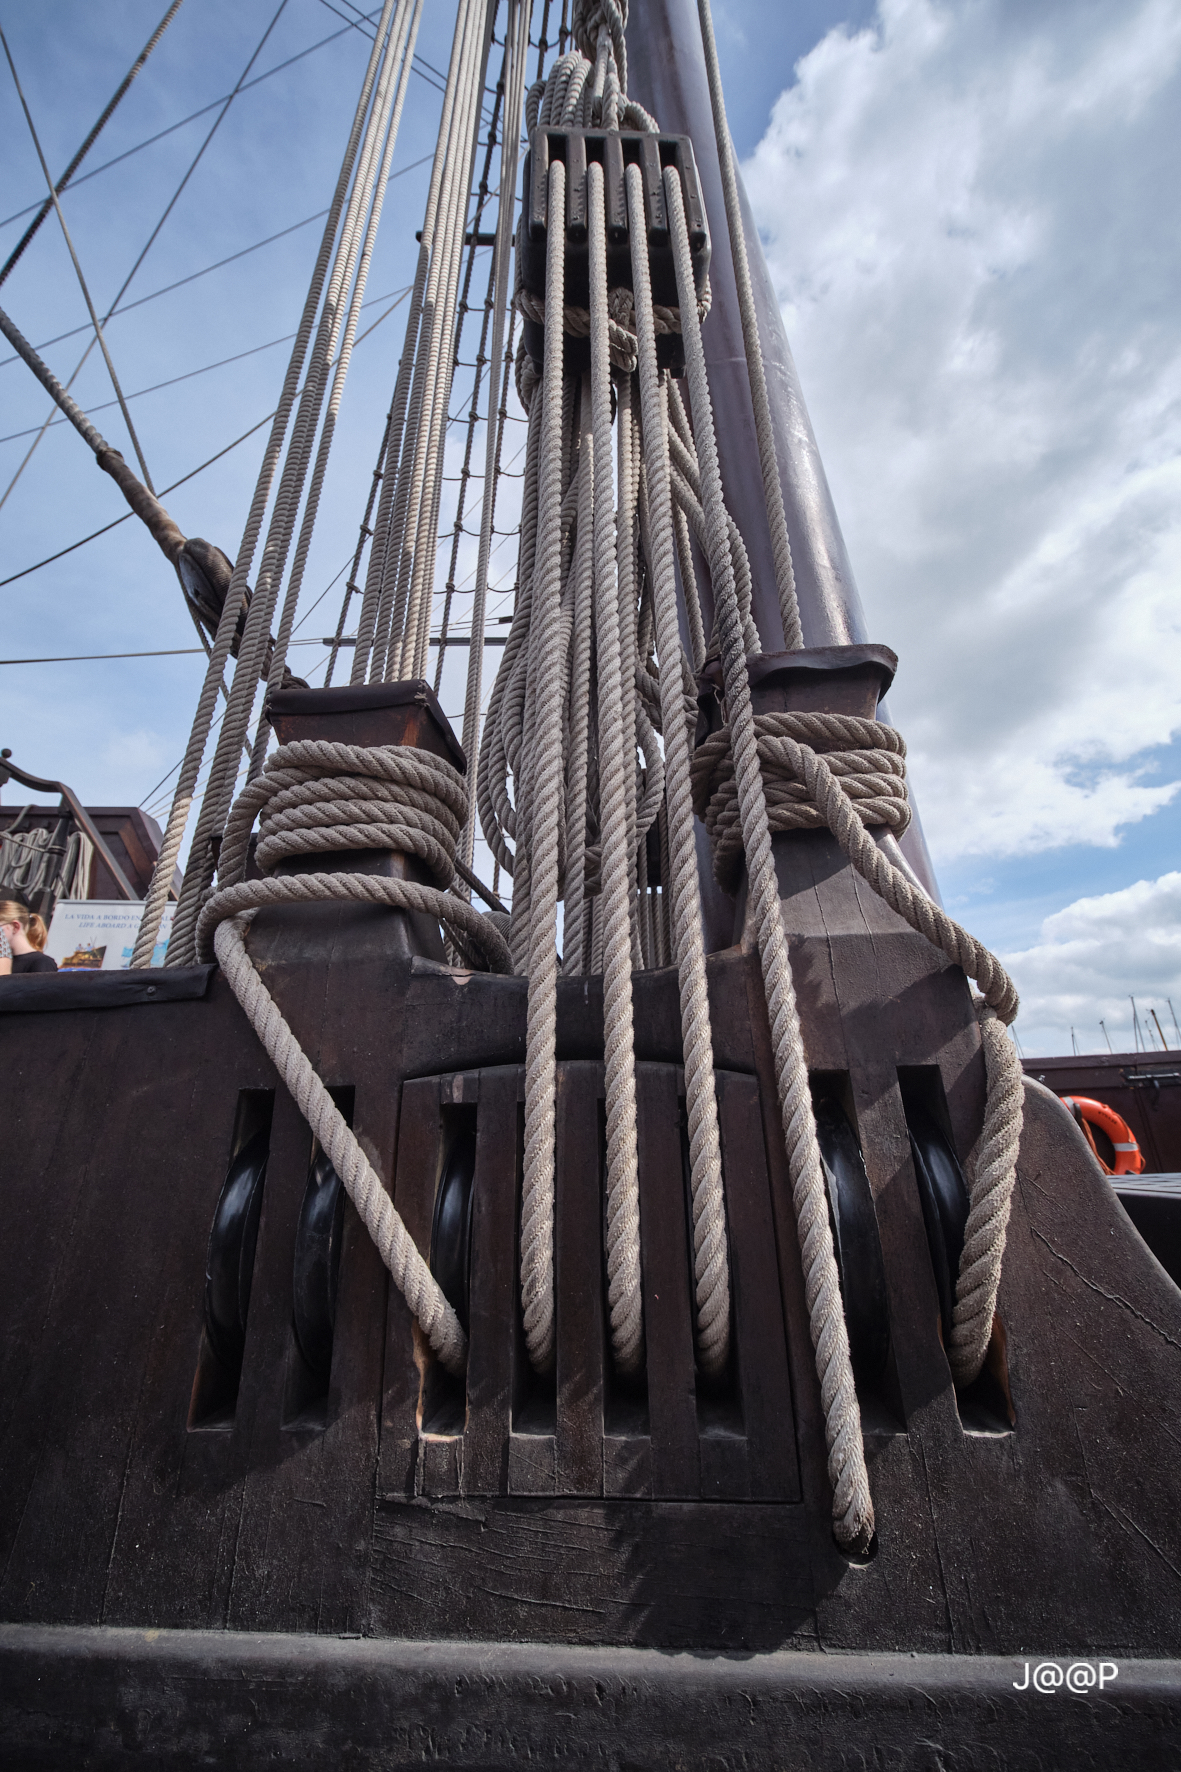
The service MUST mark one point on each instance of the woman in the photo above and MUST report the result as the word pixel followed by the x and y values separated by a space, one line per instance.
pixel 22 937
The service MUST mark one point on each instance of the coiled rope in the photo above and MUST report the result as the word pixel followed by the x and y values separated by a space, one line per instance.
pixel 315 795
pixel 865 756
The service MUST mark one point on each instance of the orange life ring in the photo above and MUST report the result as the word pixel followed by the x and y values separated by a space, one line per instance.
pixel 1129 1159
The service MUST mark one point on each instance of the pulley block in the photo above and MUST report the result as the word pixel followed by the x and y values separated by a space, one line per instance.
pixel 317 1264
pixel 229 1267
pixel 943 1194
pixel 614 150
pixel 451 1230
pixel 856 1243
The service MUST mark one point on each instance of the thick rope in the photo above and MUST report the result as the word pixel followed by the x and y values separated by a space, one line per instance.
pixel 517 52
pixel 610 766
pixel 846 818
pixel 624 1280
pixel 377 1212
pixel 990 1194
pixel 537 1194
pixel 391 100
pixel 852 1505
pixel 679 870
pixel 844 791
pixel 182 803
pixel 866 756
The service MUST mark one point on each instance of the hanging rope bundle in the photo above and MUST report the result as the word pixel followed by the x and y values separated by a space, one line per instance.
pixel 587 785
pixel 779 772
pixel 584 689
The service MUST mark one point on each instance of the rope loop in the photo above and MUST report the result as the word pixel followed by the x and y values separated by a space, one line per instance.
pixel 621 322
pixel 866 757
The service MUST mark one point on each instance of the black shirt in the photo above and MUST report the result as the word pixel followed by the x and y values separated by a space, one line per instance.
pixel 33 963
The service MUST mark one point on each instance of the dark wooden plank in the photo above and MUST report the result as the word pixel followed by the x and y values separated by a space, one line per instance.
pixel 684 1575
pixel 494 1294
pixel 372 1705
pixel 668 1320
pixel 761 1348
pixel 578 1220
pixel 98 1412
pixel 419 1145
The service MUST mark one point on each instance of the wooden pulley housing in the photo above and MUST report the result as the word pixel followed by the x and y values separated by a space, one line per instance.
pixel 365 1490
pixel 614 150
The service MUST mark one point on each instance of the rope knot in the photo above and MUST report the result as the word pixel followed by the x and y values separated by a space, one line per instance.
pixel 818 770
pixel 590 19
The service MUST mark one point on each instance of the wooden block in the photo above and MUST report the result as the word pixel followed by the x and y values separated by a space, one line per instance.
pixel 668 1321
pixel 725 1466
pixel 578 1216
pixel 532 1464
pixel 494 1293
pixel 440 1465
pixel 419 1155
pixel 761 1344
pixel 627 1465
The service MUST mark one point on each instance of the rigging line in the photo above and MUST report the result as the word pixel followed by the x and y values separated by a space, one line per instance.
pixel 419 65
pixel 192 117
pixel 94 657
pixel 193 275
pixel 401 298
pixel 153 235
pixel 155 388
pixel 61 337
pixel 91 309
pixel 150 797
pixel 95 132
pixel 191 475
pixel 98 657
pixel 127 515
pixel 139 393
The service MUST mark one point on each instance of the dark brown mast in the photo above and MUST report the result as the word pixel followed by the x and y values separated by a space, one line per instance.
pixel 666 73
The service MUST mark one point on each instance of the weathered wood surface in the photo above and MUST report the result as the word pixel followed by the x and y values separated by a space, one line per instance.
pixel 1060 1535
pixel 103 1700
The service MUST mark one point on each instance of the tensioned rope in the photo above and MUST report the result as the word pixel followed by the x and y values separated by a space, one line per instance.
pixel 153 236
pixel 315 795
pixel 74 259
pixel 340 231
pixel 584 690
pixel 473 240
pixel 96 130
pixel 182 122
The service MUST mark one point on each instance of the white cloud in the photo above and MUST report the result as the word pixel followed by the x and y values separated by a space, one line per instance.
pixel 969 214
pixel 1091 958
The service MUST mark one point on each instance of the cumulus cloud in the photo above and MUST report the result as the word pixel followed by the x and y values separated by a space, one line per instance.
pixel 1091 959
pixel 969 215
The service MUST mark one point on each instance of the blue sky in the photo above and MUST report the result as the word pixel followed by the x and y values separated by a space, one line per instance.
pixel 963 204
